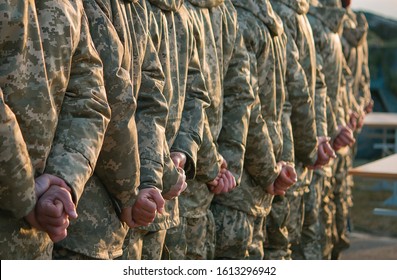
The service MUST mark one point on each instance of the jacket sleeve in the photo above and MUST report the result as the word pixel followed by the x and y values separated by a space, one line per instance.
pixel 320 99
pixel 259 161
pixel 191 131
pixel 238 98
pixel 83 119
pixel 288 154
pixel 16 173
pixel 118 162
pixel 151 117
pixel 302 111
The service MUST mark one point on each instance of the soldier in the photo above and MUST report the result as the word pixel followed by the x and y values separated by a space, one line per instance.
pixel 185 92
pixel 196 100
pixel 326 18
pixel 62 112
pixel 300 84
pixel 353 40
pixel 240 214
pixel 110 196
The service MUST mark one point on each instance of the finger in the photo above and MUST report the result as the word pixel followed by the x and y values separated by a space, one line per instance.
pixel 54 180
pixel 231 179
pixel 329 151
pixel 68 206
pixel 158 199
pixel 218 189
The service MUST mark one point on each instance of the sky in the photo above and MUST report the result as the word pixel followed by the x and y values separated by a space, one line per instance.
pixel 386 8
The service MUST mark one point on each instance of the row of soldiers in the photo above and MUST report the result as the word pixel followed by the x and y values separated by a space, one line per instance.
pixel 179 129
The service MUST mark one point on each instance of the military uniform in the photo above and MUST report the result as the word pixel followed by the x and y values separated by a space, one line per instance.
pixel 303 230
pixel 151 114
pixel 64 121
pixel 353 39
pixel 186 97
pixel 326 19
pixel 116 177
pixel 249 202
pixel 224 130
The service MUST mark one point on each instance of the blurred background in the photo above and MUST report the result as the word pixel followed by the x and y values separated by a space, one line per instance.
pixel 375 236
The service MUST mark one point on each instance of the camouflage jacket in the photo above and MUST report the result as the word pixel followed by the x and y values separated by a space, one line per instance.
pixel 225 64
pixel 365 81
pixel 259 27
pixel 16 173
pixel 184 90
pixel 300 77
pixel 326 22
pixel 195 201
pixel 353 39
pixel 238 96
pixel 116 177
pixel 64 121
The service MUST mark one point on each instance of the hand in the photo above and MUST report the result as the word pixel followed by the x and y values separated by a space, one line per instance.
pixel 324 154
pixel 226 183
pixel 222 170
pixel 179 159
pixel 147 204
pixel 178 188
pixel 343 139
pixel 43 182
pixel 53 210
pixel 285 179
pixel 370 107
pixel 353 120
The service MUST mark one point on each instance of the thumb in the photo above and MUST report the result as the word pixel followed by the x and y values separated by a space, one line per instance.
pixel 159 200
pixel 329 151
pixel 68 205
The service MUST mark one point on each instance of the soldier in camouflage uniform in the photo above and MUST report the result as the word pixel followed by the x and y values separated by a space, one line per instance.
pixel 240 214
pixel 110 197
pixel 326 19
pixel 300 83
pixel 187 139
pixel 225 130
pixel 187 97
pixel 64 121
pixel 353 39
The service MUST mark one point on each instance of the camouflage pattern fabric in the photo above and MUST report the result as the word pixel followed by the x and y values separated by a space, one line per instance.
pixel 62 138
pixel 310 241
pixel 153 242
pixel 175 242
pixel 151 114
pixel 326 22
pixel 259 159
pixel 327 216
pixel 200 236
pixel 18 195
pixel 179 58
pixel 276 245
pixel 60 253
pixel 81 125
pixel 340 200
pixel 115 180
pixel 234 232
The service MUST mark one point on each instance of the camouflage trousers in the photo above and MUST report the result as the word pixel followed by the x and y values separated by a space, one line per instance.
pixel 295 222
pixel 19 241
pixel 143 244
pixel 341 199
pixel 327 219
pixel 276 245
pixel 60 253
pixel 192 239
pixel 239 236
pixel 309 247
